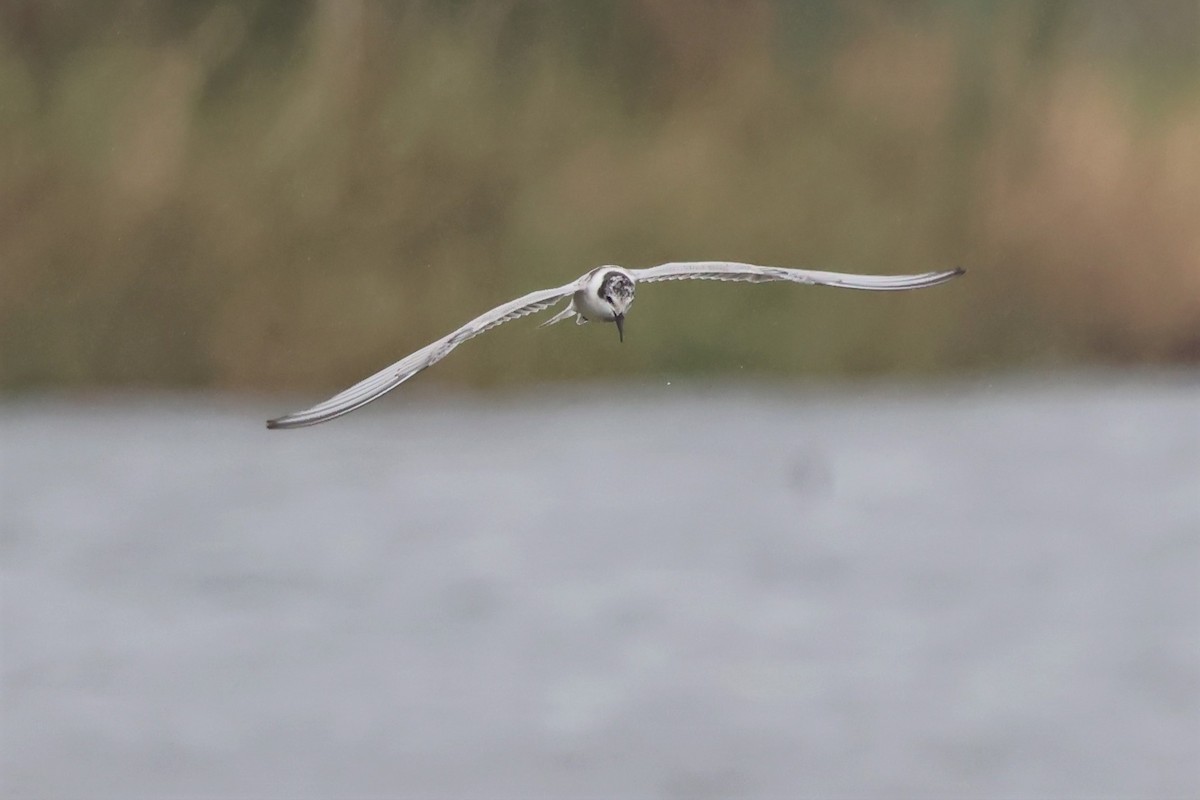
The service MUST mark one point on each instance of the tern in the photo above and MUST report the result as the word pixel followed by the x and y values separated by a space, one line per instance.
pixel 602 295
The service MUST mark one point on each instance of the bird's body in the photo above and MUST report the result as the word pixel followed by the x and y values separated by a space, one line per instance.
pixel 602 295
pixel 606 295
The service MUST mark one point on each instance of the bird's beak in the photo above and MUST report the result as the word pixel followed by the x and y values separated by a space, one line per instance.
pixel 620 320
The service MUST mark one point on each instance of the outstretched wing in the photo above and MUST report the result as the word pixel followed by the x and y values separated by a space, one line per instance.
pixel 387 379
pixel 733 271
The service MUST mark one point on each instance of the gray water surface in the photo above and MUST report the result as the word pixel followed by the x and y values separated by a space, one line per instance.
pixel 987 591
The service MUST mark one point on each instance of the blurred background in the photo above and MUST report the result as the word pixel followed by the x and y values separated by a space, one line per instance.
pixel 781 542
pixel 278 194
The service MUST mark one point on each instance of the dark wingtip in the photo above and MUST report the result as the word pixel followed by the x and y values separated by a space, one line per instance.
pixel 272 424
pixel 960 271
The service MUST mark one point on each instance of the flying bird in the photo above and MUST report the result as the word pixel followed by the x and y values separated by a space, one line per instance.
pixel 602 295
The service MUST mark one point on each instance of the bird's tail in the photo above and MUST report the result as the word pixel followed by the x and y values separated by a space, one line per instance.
pixel 566 313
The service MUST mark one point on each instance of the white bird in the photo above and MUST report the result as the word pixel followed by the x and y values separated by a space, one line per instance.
pixel 601 295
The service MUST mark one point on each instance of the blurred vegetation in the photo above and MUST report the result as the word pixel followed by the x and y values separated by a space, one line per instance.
pixel 273 193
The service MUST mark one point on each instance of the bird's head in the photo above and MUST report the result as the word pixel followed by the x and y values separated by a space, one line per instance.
pixel 615 291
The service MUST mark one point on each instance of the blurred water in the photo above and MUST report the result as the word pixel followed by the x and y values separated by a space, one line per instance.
pixel 990 591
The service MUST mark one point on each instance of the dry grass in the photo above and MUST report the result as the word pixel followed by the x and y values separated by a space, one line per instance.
pixel 247 196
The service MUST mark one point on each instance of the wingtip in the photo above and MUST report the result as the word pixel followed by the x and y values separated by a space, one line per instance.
pixel 959 271
pixel 272 424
